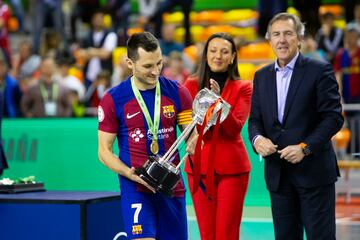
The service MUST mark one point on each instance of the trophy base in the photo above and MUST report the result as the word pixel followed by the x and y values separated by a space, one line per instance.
pixel 158 176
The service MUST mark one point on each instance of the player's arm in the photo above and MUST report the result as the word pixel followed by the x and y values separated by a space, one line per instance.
pixel 107 157
pixel 110 160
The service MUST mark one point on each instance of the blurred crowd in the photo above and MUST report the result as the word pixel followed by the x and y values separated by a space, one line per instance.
pixel 68 53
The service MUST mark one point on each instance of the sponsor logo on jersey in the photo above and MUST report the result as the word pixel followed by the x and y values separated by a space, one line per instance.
pixel 101 114
pixel 136 229
pixel 136 135
pixel 169 111
pixel 162 133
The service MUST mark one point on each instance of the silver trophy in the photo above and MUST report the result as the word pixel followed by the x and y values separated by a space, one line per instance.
pixel 159 171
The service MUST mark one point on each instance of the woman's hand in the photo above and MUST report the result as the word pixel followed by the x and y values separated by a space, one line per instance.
pixel 214 86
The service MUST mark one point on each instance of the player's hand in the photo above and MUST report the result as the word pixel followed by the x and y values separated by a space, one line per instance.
pixel 214 86
pixel 292 154
pixel 133 177
pixel 264 146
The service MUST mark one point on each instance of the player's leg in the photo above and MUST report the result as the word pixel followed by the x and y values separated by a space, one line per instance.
pixel 172 219
pixel 139 215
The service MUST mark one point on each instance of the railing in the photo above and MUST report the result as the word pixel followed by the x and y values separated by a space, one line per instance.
pixel 352 118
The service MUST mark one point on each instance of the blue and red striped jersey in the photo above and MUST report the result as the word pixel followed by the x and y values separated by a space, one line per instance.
pixel 120 114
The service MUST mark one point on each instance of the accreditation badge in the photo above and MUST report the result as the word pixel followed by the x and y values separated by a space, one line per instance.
pixel 50 108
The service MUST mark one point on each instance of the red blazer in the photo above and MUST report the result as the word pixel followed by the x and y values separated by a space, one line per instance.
pixel 231 155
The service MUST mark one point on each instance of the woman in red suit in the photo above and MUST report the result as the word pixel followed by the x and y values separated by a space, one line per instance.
pixel 219 217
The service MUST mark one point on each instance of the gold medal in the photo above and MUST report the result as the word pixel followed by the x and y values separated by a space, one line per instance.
pixel 154 147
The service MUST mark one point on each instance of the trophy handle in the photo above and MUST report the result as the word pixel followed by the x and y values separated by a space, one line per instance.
pixel 178 141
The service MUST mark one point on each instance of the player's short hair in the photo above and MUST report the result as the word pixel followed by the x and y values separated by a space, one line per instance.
pixel 144 40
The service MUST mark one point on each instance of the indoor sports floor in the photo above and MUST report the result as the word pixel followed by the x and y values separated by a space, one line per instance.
pixel 257 222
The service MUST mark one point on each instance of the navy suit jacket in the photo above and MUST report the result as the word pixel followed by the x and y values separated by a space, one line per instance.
pixel 3 163
pixel 312 115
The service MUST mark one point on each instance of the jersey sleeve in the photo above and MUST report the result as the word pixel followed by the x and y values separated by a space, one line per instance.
pixel 185 112
pixel 107 115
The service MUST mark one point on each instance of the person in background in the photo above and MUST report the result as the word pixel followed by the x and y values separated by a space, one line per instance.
pixel 167 43
pixel 98 48
pixel 175 69
pixel 47 98
pixel 329 38
pixel 295 111
pixel 347 65
pixel 5 15
pixel 356 20
pixel 83 9
pixel 356 13
pixel 69 81
pixel 43 10
pixel 11 91
pixel 121 71
pixel 309 49
pixel 138 112
pixel 120 11
pixel 220 217
pixel 98 88
pixel 347 71
pixel 18 10
pixel 25 64
pixel 166 6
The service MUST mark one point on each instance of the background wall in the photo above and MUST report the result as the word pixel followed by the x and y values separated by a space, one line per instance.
pixel 63 154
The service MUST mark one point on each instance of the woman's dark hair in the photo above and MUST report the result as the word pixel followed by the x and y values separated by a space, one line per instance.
pixel 144 40
pixel 204 69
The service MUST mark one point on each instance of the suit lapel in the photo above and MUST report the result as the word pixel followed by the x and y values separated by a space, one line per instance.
pixel 272 92
pixel 296 77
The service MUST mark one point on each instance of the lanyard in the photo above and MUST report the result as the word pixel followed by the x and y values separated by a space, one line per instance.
pixel 153 126
pixel 44 92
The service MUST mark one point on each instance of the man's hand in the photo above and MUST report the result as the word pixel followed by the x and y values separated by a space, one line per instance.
pixel 292 154
pixel 264 146
pixel 133 177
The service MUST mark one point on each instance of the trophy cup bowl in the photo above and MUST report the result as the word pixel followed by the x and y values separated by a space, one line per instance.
pixel 159 171
pixel 161 176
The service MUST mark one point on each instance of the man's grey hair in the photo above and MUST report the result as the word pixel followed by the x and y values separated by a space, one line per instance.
pixel 299 26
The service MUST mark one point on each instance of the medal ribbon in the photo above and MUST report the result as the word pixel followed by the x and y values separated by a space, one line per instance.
pixel 153 126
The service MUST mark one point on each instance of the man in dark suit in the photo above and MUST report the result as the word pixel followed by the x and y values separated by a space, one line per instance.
pixel 295 111
pixel 3 163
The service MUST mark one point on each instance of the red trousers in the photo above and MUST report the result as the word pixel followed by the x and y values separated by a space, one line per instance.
pixel 220 218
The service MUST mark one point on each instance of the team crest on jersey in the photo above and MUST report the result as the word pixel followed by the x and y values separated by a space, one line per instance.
pixel 136 229
pixel 136 135
pixel 101 114
pixel 169 111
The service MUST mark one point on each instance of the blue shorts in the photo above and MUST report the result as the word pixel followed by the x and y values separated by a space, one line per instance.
pixel 148 215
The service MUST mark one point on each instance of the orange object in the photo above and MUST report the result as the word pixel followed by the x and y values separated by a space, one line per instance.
pixel 131 31
pixel 76 72
pixel 342 138
pixel 215 29
pixel 192 52
pixel 80 61
pixel 336 10
pixel 210 16
pixel 13 24
pixel 255 51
